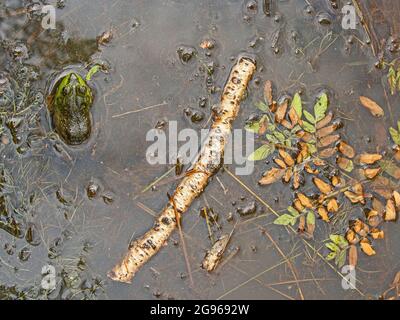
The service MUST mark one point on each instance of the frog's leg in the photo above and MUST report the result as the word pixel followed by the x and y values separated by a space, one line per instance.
pixel 97 66
pixel 93 70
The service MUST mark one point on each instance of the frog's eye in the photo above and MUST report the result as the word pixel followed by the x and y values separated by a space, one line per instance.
pixel 82 89
pixel 66 90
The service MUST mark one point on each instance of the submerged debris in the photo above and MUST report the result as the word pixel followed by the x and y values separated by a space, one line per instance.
pixel 214 255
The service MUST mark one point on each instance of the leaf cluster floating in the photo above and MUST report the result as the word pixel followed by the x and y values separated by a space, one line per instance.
pixel 308 144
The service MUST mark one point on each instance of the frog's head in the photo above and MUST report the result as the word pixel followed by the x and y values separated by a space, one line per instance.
pixel 71 109
pixel 73 85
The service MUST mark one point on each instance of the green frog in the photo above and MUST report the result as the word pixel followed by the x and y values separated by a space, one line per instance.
pixel 70 107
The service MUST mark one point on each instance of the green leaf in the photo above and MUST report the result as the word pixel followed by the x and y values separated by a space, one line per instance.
pixel 293 211
pixel 261 153
pixel 295 129
pixel 312 148
pixel 271 127
pixel 331 246
pixel 350 166
pixel 297 105
pixel 310 218
pixel 308 127
pixel 285 220
pixel 392 80
pixel 280 136
pixel 252 127
pixel 341 258
pixel 339 240
pixel 321 106
pixel 331 256
pixel 271 138
pixel 309 117
pixel 262 106
pixel 390 168
pixel 395 135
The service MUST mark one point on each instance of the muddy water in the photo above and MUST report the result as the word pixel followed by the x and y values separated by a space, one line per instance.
pixel 83 236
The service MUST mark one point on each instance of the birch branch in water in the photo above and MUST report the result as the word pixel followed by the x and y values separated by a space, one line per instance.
pixel 192 185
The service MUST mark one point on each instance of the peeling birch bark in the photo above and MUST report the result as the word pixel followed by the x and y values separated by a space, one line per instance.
pixel 206 164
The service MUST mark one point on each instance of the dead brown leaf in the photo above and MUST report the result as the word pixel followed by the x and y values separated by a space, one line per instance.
pixel 296 180
pixel 336 181
pixel 390 211
pixel 325 131
pixel 369 158
pixel 323 213
pixel 332 205
pixel 268 92
pixel 298 206
pixel 322 185
pixel 346 149
pixel 328 140
pixel 286 157
pixel 396 197
pixel 272 176
pixel 371 173
pixel 354 198
pixel 377 234
pixel 305 201
pixel 366 247
pixel 294 118
pixel 372 106
pixel 325 121
pixel 302 224
pixel 281 111
pixel 378 206
pixel 327 153
pixel 280 163
pixel 352 237
pixel 344 163
pixel 288 174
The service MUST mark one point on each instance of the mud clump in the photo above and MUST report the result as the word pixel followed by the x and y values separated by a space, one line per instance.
pixel 186 53
pixel 250 208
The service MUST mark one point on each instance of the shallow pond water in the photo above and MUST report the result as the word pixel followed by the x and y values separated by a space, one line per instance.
pixel 82 236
